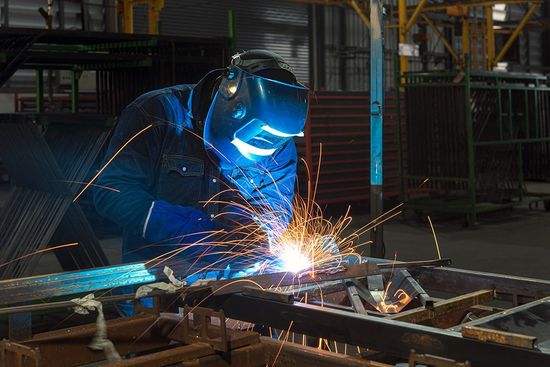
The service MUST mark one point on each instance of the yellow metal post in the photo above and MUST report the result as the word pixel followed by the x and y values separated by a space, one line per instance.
pixel 128 14
pixel 490 37
pixel 360 12
pixel 516 33
pixel 155 6
pixel 402 10
pixel 415 15
pixel 442 38
pixel 465 39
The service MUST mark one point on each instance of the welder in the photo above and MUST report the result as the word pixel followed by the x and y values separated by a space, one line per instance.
pixel 233 130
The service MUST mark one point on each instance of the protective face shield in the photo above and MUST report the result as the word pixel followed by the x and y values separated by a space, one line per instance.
pixel 251 117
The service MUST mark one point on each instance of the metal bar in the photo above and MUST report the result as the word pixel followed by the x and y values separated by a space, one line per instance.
pixel 442 308
pixel 442 38
pixel 86 281
pixel 39 90
pixel 74 91
pixel 490 37
pixel 423 297
pixel 128 14
pixel 472 219
pixel 364 330
pixel 465 39
pixel 67 347
pixel 463 281
pixel 413 264
pixel 376 123
pixel 360 12
pixel 153 15
pixel 500 337
pixel 285 279
pixel 302 355
pixel 419 8
pixel 268 294
pixel 167 357
pixel 402 13
pixel 354 298
pixel 516 32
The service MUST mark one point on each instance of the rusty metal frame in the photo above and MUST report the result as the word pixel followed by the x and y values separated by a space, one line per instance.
pixel 455 307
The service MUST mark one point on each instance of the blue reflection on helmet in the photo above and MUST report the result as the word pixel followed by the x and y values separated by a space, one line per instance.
pixel 251 117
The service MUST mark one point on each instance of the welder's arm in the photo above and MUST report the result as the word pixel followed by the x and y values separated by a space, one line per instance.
pixel 132 175
pixel 129 178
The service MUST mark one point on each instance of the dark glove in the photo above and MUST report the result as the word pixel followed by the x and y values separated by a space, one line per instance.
pixel 174 223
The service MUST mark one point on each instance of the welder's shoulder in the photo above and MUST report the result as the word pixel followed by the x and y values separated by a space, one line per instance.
pixel 163 102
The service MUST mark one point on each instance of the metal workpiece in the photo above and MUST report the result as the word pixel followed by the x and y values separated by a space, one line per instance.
pixel 394 337
pixel 43 287
pixel 329 308
pixel 506 287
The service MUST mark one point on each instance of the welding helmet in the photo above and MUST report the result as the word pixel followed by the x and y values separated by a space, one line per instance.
pixel 258 107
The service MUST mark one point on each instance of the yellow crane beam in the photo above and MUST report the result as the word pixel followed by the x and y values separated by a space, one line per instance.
pixel 516 33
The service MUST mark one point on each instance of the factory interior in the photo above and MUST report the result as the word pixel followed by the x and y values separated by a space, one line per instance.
pixel 239 183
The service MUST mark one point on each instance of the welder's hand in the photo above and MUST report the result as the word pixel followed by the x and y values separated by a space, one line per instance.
pixel 168 222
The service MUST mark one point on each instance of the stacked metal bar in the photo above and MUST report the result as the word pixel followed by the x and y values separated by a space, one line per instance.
pixel 46 178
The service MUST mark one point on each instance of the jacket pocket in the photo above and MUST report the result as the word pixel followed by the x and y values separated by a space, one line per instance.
pixel 181 179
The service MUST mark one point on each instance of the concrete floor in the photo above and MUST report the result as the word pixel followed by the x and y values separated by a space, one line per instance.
pixel 514 242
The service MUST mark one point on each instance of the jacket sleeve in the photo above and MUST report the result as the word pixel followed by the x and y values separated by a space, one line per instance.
pixel 124 191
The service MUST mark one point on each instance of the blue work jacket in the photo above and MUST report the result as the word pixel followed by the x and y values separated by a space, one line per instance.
pixel 168 162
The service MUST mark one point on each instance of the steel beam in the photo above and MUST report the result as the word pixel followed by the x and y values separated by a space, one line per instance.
pixel 442 38
pixel 279 353
pixel 68 347
pixel 363 330
pixel 490 37
pixel 128 14
pixel 360 12
pixel 516 33
pixel 376 124
pixel 465 281
pixel 465 40
pixel 445 307
pixel 402 17
pixel 86 281
pixel 419 8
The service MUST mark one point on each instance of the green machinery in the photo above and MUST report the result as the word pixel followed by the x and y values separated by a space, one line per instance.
pixel 475 142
